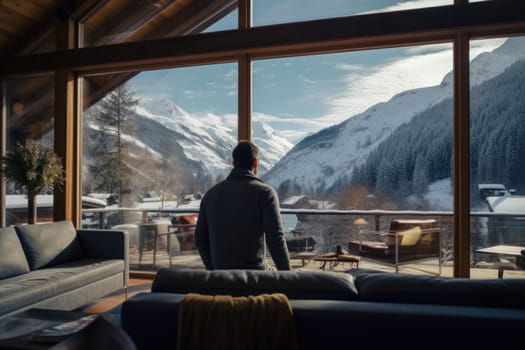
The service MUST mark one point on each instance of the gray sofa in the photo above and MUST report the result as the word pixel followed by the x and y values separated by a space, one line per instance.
pixel 54 265
pixel 367 309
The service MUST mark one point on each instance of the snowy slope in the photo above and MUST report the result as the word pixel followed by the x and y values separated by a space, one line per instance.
pixel 330 155
pixel 206 139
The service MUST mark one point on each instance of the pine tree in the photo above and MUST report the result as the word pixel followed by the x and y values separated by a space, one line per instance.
pixel 115 121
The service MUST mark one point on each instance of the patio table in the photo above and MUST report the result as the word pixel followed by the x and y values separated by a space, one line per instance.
pixel 503 250
pixel 334 259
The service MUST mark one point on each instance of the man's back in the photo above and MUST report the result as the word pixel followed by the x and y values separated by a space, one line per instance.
pixel 234 217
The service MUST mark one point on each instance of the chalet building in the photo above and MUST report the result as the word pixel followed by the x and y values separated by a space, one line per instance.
pixel 508 229
pixel 64 68
pixel 295 202
pixel 61 57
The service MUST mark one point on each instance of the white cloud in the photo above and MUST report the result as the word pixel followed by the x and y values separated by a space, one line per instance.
pixel 425 66
pixel 413 4
pixel 348 67
pixel 368 86
pixel 305 79
pixel 231 74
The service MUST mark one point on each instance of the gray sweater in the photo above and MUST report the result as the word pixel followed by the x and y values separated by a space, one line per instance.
pixel 235 218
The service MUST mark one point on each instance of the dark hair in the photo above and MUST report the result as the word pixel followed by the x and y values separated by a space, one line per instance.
pixel 244 154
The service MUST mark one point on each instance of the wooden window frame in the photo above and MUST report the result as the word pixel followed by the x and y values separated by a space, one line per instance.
pixel 457 23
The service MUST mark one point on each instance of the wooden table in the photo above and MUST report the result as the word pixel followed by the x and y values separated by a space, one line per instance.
pixel 334 259
pixel 305 257
pixel 504 250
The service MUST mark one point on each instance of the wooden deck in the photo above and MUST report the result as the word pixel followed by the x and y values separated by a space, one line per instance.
pixel 192 260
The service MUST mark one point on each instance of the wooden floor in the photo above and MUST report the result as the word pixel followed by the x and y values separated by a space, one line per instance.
pixel 136 285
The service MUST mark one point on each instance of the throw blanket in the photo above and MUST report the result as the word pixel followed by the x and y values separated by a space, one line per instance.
pixel 219 322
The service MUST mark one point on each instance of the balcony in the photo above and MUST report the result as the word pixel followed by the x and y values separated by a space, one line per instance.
pixel 329 229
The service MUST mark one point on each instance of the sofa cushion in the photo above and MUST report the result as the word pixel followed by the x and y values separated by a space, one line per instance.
pixel 294 284
pixel 38 285
pixel 418 289
pixel 49 243
pixel 12 257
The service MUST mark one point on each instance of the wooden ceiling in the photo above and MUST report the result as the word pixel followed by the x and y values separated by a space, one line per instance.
pixel 20 18
pixel 28 26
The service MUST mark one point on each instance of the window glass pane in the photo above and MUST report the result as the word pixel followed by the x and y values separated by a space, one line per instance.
pixel 267 12
pixel 361 131
pixel 154 142
pixel 30 116
pixel 119 21
pixel 497 150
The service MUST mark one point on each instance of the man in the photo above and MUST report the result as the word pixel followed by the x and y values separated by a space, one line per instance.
pixel 236 217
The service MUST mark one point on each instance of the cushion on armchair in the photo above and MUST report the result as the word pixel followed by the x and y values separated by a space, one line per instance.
pixel 410 237
pixel 12 257
pixel 49 243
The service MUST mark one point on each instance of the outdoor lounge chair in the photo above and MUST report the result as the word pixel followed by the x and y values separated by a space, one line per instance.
pixel 407 241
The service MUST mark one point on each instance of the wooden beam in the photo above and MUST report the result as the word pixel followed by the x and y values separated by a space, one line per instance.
pixel 3 133
pixel 67 198
pixel 461 156
pixel 336 34
pixel 192 19
pixel 245 78
pixel 245 14
pixel 245 99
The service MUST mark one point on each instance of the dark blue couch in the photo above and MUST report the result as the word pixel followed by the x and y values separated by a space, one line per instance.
pixel 366 309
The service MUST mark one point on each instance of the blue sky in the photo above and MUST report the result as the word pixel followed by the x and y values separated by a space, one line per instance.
pixel 300 95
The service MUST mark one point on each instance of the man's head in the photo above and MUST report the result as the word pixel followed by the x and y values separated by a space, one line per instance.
pixel 246 156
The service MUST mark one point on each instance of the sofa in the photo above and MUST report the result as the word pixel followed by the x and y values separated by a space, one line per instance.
pixel 54 265
pixel 365 308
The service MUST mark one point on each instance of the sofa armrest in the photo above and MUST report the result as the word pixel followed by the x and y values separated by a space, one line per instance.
pixel 106 244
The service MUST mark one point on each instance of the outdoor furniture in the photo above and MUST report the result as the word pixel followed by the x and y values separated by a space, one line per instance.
pixel 502 250
pixel 183 227
pixel 334 259
pixel 305 257
pixel 149 234
pixel 300 244
pixel 185 234
pixel 407 241
pixel 301 248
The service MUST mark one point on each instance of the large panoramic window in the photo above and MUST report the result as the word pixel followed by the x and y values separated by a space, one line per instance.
pixel 30 114
pixel 497 157
pixel 154 142
pixel 361 131
pixel 117 21
pixel 267 12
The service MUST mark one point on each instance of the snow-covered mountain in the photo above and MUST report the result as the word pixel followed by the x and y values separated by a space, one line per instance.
pixel 207 140
pixel 330 155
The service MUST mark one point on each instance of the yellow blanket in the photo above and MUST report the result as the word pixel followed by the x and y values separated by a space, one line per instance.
pixel 219 322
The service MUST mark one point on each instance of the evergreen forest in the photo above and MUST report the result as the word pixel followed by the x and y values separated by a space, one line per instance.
pixel 421 152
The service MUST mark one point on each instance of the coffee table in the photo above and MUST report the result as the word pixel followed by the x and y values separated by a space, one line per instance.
pixel 503 250
pixel 17 331
pixel 334 259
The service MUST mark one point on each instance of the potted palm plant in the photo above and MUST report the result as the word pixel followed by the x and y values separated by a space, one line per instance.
pixel 35 168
